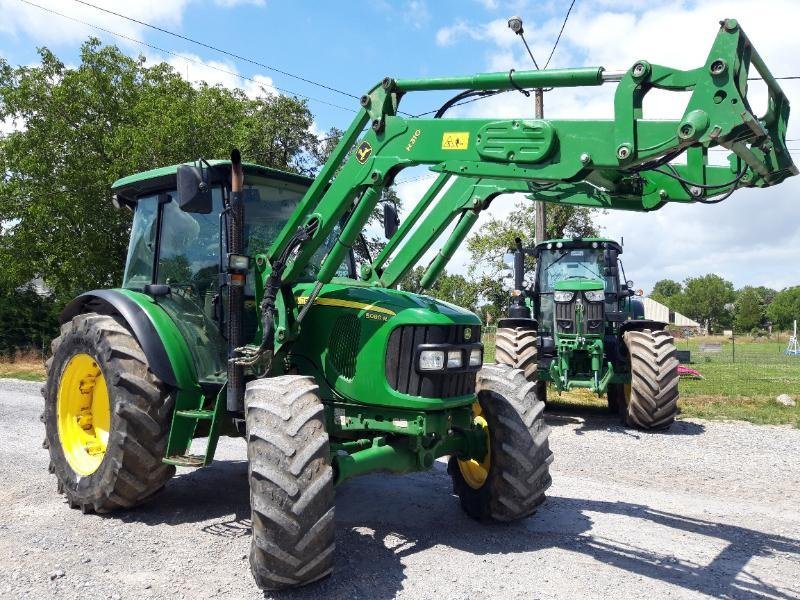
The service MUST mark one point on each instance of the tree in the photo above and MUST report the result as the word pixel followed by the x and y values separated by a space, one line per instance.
pixel 453 288
pixel 748 309
pixel 495 238
pixel 665 291
pixel 785 308
pixel 111 116
pixel 704 299
pixel 27 320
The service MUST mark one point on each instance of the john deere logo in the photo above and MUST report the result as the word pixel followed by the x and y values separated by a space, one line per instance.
pixel 363 152
pixel 468 334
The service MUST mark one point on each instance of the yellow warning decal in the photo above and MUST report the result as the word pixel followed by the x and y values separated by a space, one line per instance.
pixel 455 140
pixel 301 300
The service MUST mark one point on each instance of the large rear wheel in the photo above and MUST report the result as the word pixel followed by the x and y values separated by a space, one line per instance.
pixel 106 416
pixel 511 480
pixel 516 347
pixel 651 401
pixel 291 482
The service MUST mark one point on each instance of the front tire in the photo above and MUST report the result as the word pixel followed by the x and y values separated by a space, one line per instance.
pixel 107 416
pixel 516 347
pixel 291 482
pixel 652 402
pixel 516 472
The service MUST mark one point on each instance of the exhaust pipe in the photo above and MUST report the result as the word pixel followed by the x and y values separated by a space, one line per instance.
pixel 235 395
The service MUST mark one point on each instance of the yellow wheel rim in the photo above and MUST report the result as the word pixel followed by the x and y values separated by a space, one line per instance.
pixel 474 472
pixel 83 414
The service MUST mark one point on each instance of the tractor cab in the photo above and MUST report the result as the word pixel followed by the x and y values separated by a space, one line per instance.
pixel 578 274
pixel 178 250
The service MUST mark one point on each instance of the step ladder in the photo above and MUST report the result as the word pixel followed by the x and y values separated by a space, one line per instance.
pixel 187 420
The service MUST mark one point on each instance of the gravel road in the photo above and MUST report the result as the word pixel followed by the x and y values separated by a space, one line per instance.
pixel 709 509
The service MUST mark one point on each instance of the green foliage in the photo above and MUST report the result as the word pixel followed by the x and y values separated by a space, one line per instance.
pixel 111 116
pixel 785 308
pixel 495 238
pixel 454 288
pixel 704 299
pixel 27 320
pixel 748 310
pixel 666 291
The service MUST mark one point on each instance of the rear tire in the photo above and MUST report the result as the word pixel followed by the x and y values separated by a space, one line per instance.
pixel 138 410
pixel 653 399
pixel 516 347
pixel 291 482
pixel 519 466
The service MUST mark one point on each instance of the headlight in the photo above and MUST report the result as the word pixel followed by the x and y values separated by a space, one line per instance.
pixel 238 262
pixel 595 296
pixel 454 359
pixel 563 296
pixel 475 358
pixel 431 360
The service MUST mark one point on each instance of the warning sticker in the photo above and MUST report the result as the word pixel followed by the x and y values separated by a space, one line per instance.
pixel 455 140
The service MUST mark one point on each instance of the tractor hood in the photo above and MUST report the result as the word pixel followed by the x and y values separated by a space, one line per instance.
pixel 373 301
pixel 583 284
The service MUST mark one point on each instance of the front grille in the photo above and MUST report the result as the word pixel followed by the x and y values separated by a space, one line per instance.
pixel 344 344
pixel 593 316
pixel 401 353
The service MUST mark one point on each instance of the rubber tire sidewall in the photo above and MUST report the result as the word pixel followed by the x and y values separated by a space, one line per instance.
pixel 83 488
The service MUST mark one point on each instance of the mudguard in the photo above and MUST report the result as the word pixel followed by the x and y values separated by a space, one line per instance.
pixel 639 324
pixel 166 352
pixel 518 322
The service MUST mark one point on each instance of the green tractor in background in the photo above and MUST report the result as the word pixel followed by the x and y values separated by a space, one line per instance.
pixel 243 310
pixel 580 325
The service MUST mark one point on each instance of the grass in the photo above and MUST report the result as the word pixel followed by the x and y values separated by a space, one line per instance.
pixel 744 390
pixel 25 366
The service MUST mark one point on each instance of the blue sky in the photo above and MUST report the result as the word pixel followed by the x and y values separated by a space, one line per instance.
pixel 754 238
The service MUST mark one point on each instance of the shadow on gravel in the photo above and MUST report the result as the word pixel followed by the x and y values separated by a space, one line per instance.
pixel 592 418
pixel 383 520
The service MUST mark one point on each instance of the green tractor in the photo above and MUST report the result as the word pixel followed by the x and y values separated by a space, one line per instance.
pixel 580 325
pixel 243 310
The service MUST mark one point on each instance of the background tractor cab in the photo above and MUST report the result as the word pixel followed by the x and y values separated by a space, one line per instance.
pixel 573 324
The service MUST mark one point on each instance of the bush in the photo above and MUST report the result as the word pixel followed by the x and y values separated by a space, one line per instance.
pixel 28 321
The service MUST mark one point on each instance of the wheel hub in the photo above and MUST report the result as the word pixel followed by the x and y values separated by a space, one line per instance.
pixel 83 414
pixel 476 472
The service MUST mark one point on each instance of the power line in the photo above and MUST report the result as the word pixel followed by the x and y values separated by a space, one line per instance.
pixel 183 57
pixel 558 39
pixel 220 50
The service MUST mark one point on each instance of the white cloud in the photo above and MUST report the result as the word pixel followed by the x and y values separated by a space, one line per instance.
pixel 48 28
pixel 194 69
pixel 753 237
pixel 416 13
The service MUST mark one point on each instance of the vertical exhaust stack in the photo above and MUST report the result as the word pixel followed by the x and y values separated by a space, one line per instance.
pixel 235 398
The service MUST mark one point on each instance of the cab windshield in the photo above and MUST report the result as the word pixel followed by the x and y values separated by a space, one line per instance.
pixel 568 263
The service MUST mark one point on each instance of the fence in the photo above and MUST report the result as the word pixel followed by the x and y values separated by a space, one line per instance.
pixel 739 367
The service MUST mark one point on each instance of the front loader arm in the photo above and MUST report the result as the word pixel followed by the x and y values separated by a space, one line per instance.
pixel 622 163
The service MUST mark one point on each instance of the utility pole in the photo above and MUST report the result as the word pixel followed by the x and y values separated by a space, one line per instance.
pixel 515 24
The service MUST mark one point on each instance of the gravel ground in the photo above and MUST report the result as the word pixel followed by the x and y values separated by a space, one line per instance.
pixel 709 509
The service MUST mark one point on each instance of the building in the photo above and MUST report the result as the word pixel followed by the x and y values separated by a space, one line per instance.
pixel 659 312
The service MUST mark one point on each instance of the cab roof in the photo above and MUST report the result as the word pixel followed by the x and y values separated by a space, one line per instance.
pixel 139 184
pixel 580 243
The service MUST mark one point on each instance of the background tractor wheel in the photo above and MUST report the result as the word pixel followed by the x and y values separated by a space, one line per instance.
pixel 291 482
pixel 106 416
pixel 516 348
pixel 652 402
pixel 511 481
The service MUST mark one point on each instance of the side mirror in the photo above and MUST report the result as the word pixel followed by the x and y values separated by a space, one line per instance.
pixel 391 221
pixel 194 193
